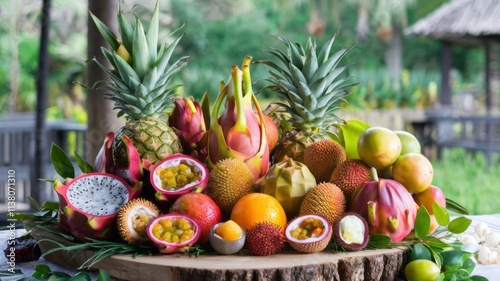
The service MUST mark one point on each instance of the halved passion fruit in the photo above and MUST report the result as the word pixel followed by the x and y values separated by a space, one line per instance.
pixel 352 232
pixel 225 246
pixel 308 233
pixel 173 233
pixel 178 174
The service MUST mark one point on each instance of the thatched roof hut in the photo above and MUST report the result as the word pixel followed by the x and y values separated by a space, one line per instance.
pixel 461 21
pixel 470 22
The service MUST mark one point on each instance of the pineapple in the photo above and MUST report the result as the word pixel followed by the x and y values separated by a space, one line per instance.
pixel 313 89
pixel 139 85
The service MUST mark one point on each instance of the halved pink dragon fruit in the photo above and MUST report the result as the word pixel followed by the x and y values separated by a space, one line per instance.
pixel 387 207
pixel 89 203
pixel 120 160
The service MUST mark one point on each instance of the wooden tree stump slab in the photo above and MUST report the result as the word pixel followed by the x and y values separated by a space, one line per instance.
pixel 383 264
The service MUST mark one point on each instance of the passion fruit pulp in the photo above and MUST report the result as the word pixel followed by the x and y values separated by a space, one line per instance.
pixel 308 233
pixel 173 233
pixel 176 175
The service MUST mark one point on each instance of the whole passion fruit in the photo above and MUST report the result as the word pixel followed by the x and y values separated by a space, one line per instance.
pixel 176 175
pixel 352 232
pixel 308 233
pixel 173 233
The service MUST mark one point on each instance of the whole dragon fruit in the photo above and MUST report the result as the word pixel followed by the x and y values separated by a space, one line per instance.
pixel 387 207
pixel 238 132
pixel 89 203
pixel 120 160
pixel 188 123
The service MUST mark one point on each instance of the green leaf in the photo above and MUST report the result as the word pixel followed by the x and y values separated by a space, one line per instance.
pixel 42 269
pixel 379 241
pixel 435 243
pixel 459 225
pixel 452 257
pixel 152 35
pixel 34 205
pixel 478 278
pixel 61 162
pixel 5 273
pixel 205 108
pixel 82 164
pixel 103 276
pixel 438 260
pixel 422 222
pixel 58 275
pixel 455 207
pixel 469 264
pixel 441 215
pixel 108 35
pixel 140 51
pixel 351 131
pixel 81 276
pixel 419 251
pixel 51 206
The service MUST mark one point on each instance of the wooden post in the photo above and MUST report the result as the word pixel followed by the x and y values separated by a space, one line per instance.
pixel 40 151
pixel 101 116
pixel 445 94
pixel 487 75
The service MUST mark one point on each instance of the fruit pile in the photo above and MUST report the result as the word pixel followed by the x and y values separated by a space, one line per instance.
pixel 229 175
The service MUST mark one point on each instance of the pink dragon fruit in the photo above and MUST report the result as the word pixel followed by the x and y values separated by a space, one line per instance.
pixel 123 160
pixel 188 122
pixel 238 133
pixel 89 203
pixel 387 207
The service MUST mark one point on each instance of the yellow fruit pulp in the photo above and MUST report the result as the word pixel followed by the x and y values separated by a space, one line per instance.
pixel 229 231
pixel 175 177
pixel 140 220
pixel 173 230
pixel 310 227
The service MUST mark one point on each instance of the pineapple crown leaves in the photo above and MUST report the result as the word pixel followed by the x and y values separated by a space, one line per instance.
pixel 310 82
pixel 140 79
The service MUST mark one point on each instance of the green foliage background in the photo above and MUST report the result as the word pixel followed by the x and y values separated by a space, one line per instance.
pixel 218 34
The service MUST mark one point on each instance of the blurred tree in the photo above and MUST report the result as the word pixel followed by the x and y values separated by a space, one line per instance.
pixel 101 116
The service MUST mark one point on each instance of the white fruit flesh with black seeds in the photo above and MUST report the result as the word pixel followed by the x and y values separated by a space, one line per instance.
pixel 98 195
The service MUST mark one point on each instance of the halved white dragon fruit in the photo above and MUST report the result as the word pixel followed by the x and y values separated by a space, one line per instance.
pixel 89 203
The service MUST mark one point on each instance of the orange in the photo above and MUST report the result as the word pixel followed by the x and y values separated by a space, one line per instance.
pixel 201 208
pixel 258 207
pixel 229 230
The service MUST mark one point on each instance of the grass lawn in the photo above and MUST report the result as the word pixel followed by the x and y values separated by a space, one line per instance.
pixel 467 179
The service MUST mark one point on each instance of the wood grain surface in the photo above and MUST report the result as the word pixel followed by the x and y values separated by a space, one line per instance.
pixel 384 264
